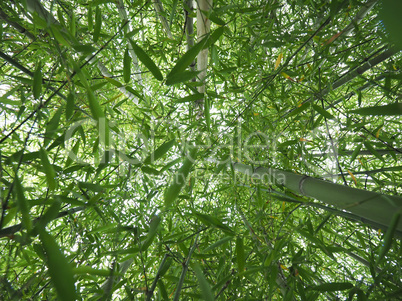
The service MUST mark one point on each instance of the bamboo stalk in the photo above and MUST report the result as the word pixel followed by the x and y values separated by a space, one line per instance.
pixel 203 29
pixel 369 205
pixel 160 11
pixel 17 26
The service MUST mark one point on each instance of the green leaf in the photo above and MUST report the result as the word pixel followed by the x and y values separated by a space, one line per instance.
pixel 187 58
pixel 81 270
pixel 214 37
pixel 387 241
pixel 179 179
pixel 190 98
pixel 91 186
pixel 240 253
pixel 210 220
pixel 114 82
pixel 355 152
pixel 207 113
pixel 206 290
pixel 387 110
pixel 181 77
pixel 69 106
pixel 23 205
pixel 126 66
pixel 52 126
pixel 49 215
pixel 153 228
pixel 160 151
pixel 48 168
pixel 217 244
pixel 322 111
pixel 37 82
pixel 98 24
pixel 86 49
pixel 371 149
pixel 146 60
pixel 60 270
pixel 332 287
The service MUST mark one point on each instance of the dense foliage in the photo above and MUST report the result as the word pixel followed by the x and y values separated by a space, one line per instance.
pixel 117 179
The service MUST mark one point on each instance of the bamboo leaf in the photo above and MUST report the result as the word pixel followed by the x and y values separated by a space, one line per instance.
pixel 322 111
pixel 355 152
pixel 23 205
pixel 240 253
pixel 69 106
pixel 387 110
pixel 50 214
pixel 98 24
pixel 48 168
pixel 160 151
pixel 217 33
pixel 278 60
pixel 146 60
pixel 114 82
pixel 371 149
pixel 207 113
pixel 206 290
pixel 52 126
pixel 190 98
pixel 217 244
pixel 332 287
pixel 59 269
pixel 126 66
pixel 153 228
pixel 183 62
pixel 179 179
pixel 81 270
pixel 181 77
pixel 37 81
pixel 387 241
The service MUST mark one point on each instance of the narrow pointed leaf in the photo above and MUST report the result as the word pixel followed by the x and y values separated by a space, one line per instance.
pixel 37 82
pixel 322 111
pixel 48 168
pixel 23 205
pixel 52 126
pixel 217 244
pixel 126 66
pixel 387 110
pixel 372 150
pixel 183 62
pixel 182 77
pixel 206 290
pixel 240 254
pixel 60 270
pixel 82 270
pixel 147 61
pixel 387 242
pixel 160 151
pixel 98 24
pixel 332 287
pixel 179 179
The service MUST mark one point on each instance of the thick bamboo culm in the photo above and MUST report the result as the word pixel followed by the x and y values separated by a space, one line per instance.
pixel 370 205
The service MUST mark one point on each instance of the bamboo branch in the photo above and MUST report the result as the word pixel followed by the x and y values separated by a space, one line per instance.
pixel 157 276
pixel 184 271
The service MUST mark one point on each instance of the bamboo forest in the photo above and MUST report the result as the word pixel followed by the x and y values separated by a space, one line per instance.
pixel 200 150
